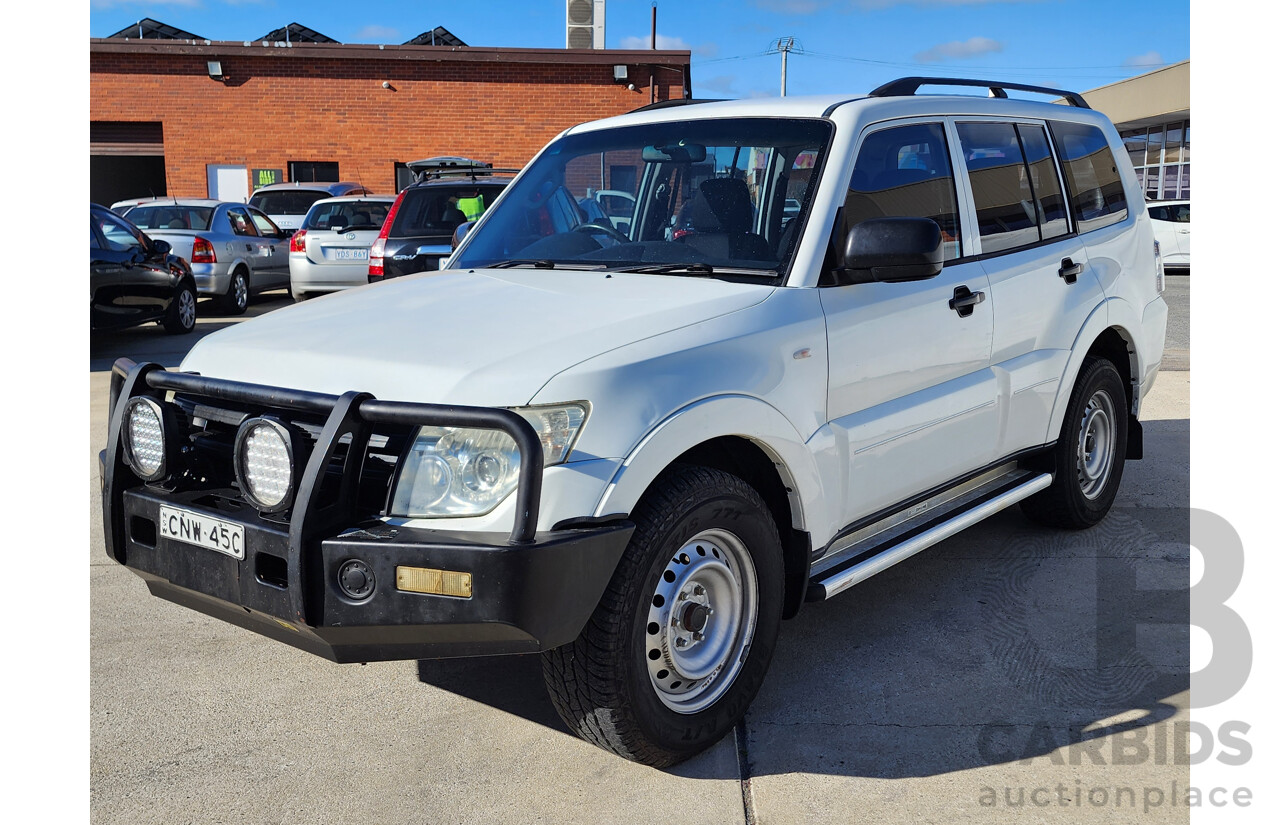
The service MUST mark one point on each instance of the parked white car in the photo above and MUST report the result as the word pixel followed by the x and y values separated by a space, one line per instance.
pixel 1171 223
pixel 637 452
pixel 331 250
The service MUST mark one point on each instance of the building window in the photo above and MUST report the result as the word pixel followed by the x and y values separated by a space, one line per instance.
pixel 313 171
pixel 1161 158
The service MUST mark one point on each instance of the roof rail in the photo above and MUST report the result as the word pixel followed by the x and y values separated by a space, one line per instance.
pixel 683 101
pixel 907 86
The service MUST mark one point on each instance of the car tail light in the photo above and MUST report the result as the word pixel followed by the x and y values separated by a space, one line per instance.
pixel 1159 270
pixel 379 247
pixel 202 252
pixel 298 243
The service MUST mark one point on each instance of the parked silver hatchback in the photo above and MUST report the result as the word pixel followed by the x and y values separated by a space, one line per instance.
pixel 331 250
pixel 234 250
pixel 288 203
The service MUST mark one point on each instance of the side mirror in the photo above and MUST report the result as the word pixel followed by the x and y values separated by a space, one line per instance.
pixel 162 248
pixel 460 233
pixel 891 250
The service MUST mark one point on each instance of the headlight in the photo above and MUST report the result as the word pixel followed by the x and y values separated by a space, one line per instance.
pixel 144 438
pixel 460 471
pixel 264 463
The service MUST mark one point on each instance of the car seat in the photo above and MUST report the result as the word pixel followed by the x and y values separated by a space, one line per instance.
pixel 719 220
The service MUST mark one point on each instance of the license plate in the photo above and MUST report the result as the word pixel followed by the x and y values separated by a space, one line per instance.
pixel 202 531
pixel 348 254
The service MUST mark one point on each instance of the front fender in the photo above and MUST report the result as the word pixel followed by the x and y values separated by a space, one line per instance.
pixel 725 415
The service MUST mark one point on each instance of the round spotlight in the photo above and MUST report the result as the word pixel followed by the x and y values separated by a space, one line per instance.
pixel 144 438
pixel 264 463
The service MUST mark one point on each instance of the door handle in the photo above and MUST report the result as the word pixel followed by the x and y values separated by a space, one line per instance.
pixel 964 301
pixel 1070 270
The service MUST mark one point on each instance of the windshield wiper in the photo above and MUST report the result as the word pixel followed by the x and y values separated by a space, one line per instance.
pixel 536 263
pixel 699 270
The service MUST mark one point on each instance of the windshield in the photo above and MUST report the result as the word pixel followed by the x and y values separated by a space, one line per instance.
pixel 701 196
pixel 289 202
pixel 349 215
pixel 170 216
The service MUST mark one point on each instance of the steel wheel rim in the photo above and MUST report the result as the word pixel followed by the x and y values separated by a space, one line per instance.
pixel 1095 451
pixel 187 309
pixel 241 288
pixel 701 621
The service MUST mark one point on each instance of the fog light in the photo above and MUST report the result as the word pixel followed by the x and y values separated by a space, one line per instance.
pixel 144 438
pixel 264 463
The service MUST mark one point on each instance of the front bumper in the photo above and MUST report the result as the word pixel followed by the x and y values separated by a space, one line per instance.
pixel 530 591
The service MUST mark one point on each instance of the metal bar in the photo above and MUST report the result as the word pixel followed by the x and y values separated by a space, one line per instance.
pixel 302 400
pixel 529 483
pixel 907 549
pixel 907 86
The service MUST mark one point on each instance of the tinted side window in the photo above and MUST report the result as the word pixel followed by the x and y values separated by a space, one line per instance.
pixel 93 236
pixel 1093 177
pixel 1001 185
pixel 905 172
pixel 1051 207
pixel 1158 213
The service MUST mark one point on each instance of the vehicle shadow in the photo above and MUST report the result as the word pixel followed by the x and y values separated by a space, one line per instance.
pixel 1007 642
pixel 150 343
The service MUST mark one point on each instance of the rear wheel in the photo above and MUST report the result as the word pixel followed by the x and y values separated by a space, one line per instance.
pixel 236 299
pixel 182 311
pixel 680 642
pixel 1090 453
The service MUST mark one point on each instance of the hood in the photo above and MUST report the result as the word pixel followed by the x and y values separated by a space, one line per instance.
pixel 485 337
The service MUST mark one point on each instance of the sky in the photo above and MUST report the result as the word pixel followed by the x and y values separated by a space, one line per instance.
pixel 840 46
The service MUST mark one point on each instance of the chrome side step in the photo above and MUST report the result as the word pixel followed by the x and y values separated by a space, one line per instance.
pixel 886 548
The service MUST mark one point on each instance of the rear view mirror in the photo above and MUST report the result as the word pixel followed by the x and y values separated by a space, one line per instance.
pixel 680 152
pixel 891 250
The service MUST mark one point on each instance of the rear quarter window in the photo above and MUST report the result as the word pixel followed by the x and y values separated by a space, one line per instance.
pixel 1092 173
pixel 438 210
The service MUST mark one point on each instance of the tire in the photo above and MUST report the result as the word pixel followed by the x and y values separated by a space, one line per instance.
pixel 182 311
pixel 1088 459
pixel 704 539
pixel 236 299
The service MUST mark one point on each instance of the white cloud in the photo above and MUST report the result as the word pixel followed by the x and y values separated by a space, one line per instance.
pixel 1149 60
pixel 720 84
pixel 670 43
pixel 960 49
pixel 377 34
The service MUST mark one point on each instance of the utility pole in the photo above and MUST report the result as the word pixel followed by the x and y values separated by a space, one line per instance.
pixel 783 46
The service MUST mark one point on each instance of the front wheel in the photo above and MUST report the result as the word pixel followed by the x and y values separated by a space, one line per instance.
pixel 182 311
pixel 682 637
pixel 1089 456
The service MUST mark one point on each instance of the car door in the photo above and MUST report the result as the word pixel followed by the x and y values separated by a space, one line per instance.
pixel 105 269
pixel 1040 278
pixel 274 247
pixel 911 393
pixel 245 236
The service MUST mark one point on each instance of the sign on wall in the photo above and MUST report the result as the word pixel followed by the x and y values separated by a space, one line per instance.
pixel 266 177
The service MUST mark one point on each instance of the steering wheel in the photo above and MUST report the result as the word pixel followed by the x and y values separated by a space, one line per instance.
pixel 601 229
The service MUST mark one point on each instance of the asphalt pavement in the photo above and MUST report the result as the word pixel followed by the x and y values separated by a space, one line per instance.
pixel 1005 668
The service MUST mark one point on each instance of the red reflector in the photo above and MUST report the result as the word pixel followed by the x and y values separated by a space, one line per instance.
pixel 202 252
pixel 298 243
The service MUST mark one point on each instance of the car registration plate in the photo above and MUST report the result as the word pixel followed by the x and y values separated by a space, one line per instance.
pixel 349 254
pixel 202 531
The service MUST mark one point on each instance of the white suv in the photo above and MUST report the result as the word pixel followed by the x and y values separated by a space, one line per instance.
pixel 638 451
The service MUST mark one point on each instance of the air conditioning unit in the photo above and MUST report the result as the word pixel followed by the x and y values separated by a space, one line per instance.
pixel 584 24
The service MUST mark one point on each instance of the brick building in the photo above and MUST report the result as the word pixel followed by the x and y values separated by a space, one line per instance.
pixel 193 118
